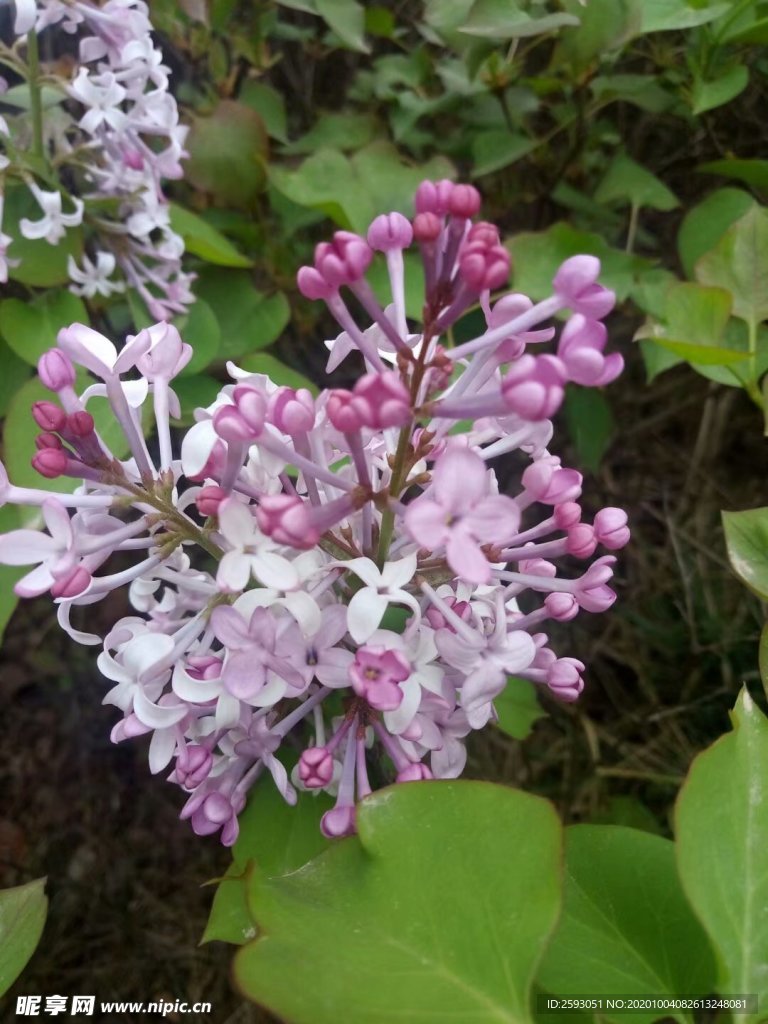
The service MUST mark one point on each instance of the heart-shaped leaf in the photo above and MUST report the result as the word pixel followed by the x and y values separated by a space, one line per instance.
pixel 746 537
pixel 22 916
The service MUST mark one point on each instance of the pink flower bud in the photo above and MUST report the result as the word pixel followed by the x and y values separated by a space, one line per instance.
pixel 193 766
pixel 286 518
pixel 166 356
pixel 611 528
pixel 81 424
pixel 575 284
pixel 50 462
pixel 382 400
pixel 434 196
pixel 581 541
pixel 48 416
pixel 292 411
pixel 48 440
pixel 464 201
pixel 564 678
pixel 316 767
pixel 426 228
pixel 538 567
pixel 339 822
pixel 414 773
pixel 252 406
pixel 342 411
pixel 567 513
pixel 591 591
pixel 72 584
pixel 56 370
pixel 561 607
pixel 390 231
pixel 552 484
pixel 209 499
pixel 312 284
pixel 534 387
pixel 344 260
pixel 231 426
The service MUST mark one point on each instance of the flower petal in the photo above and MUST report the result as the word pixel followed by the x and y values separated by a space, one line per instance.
pixel 365 612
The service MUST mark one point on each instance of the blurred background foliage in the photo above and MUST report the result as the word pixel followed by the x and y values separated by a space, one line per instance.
pixel 631 129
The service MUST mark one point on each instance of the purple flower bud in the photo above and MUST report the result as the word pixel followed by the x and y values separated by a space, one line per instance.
pixel 575 284
pixel 548 482
pixel 193 766
pixel 50 462
pixel 464 201
pixel 316 767
pixel 382 400
pixel 342 411
pixel 564 678
pixel 81 423
pixel 48 440
pixel 426 228
pixel 561 607
pixel 286 518
pixel 414 773
pixel 581 541
pixel 49 416
pixel 312 284
pixel 434 196
pixel 390 231
pixel 567 513
pixel 56 370
pixel 292 411
pixel 252 406
pixel 338 822
pixel 232 426
pixel 209 499
pixel 611 528
pixel 344 260
pixel 591 591
pixel 534 387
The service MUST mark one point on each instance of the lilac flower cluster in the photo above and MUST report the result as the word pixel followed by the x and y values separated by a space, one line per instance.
pixel 125 141
pixel 361 588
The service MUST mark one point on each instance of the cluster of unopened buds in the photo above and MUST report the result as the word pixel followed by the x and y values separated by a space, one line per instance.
pixel 336 576
pixel 114 153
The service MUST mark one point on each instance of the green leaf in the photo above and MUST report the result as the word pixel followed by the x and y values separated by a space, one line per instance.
pixel 626 926
pixel 378 278
pixel 414 919
pixel 22 917
pixel 196 392
pixel 501 19
pixel 14 373
pixel 352 191
pixel 721 90
pixel 347 19
pixel 671 15
pixel 762 653
pixel 642 90
pixel 518 708
pixel 200 329
pixel 341 132
pixel 630 812
pixel 739 263
pixel 537 255
pixel 203 240
pixel 248 319
pixel 269 105
pixel 751 172
pixel 41 265
pixel 702 355
pixel 277 838
pixel 626 181
pixel 497 148
pixel 590 423
pixel 279 373
pixel 746 538
pixel 227 154
pixel 603 27
pixel 30 328
pixel 722 835
pixel 19 97
pixel 705 224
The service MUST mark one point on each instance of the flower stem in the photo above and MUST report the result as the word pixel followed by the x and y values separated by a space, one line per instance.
pixel 35 94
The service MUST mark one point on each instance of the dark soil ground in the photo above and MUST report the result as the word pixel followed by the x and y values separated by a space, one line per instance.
pixel 127 879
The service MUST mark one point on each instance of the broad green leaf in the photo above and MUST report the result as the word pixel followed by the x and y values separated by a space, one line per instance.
pixel 203 240
pixel 416 918
pixel 752 172
pixel 30 328
pixel 702 355
pixel 603 28
pixel 342 132
pixel 746 538
pixel 642 90
pixel 501 19
pixel 762 653
pixel 9 574
pixel 590 424
pixel 657 359
pixel 628 182
pixel 671 15
pixel 227 154
pixel 707 95
pixel 347 19
pixel 200 329
pixel 248 319
pixel 626 926
pixel 196 392
pixel 705 224
pixel 14 373
pixel 18 96
pixel 269 105
pixel 630 812
pixel 352 191
pixel 447 17
pixel 497 148
pixel 721 824
pixel 22 917
pixel 279 373
pixel 517 707
pixel 277 839
pixel 537 255
pixel 739 263
pixel 41 265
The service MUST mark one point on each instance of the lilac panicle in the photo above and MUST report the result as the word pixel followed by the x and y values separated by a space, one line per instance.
pixel 269 556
